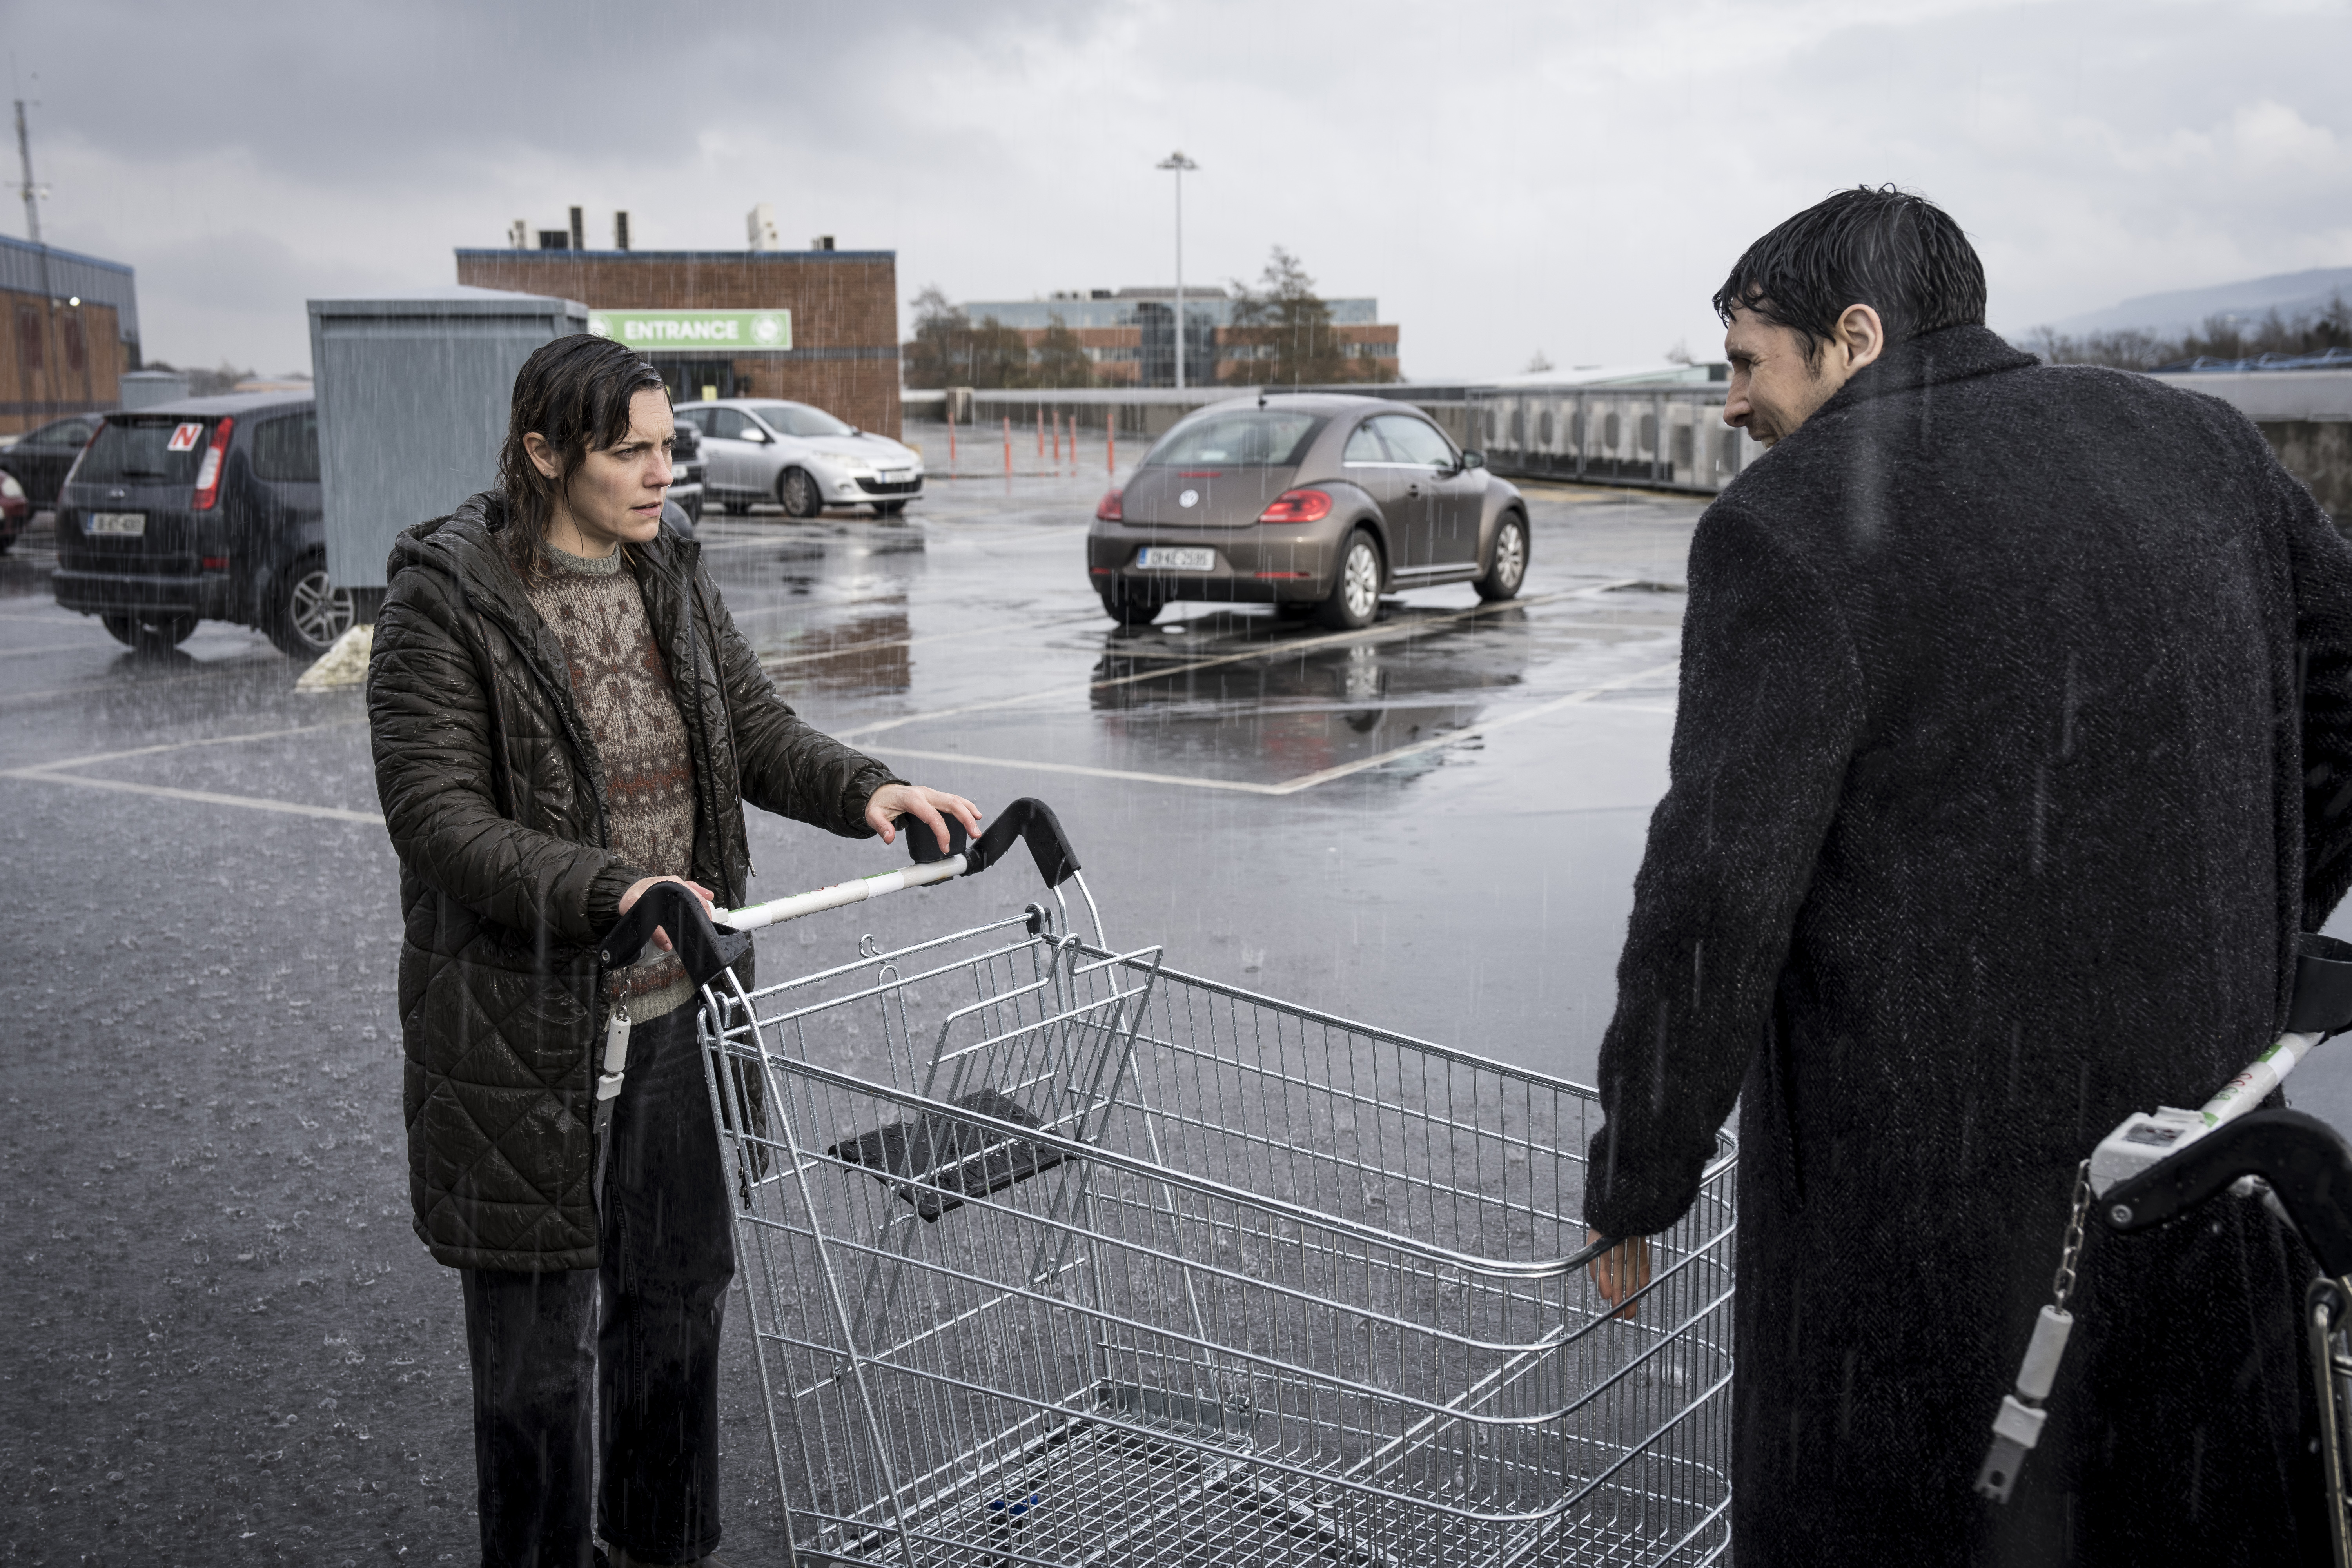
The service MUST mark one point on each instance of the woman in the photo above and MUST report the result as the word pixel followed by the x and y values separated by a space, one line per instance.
pixel 563 715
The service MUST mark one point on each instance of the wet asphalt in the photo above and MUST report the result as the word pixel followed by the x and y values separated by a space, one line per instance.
pixel 227 1345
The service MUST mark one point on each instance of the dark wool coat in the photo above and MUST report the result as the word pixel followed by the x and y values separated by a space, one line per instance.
pixel 2014 748
pixel 494 801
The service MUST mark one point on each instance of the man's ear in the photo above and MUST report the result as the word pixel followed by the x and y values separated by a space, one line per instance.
pixel 1861 336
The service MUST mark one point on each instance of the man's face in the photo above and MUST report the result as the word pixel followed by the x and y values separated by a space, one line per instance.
pixel 1774 387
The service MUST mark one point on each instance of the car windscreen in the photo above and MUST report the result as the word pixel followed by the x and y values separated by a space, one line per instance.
pixel 1250 439
pixel 149 449
pixel 799 419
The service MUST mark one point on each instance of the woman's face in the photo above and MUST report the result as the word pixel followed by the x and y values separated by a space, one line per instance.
pixel 615 494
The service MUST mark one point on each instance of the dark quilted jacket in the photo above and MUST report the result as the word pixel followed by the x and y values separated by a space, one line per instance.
pixel 494 801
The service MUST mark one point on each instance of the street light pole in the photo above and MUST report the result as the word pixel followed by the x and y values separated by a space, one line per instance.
pixel 1177 164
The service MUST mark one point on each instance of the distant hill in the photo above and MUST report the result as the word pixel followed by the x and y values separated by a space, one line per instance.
pixel 2181 313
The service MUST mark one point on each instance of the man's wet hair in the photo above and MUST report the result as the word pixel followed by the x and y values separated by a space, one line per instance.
pixel 575 391
pixel 1900 254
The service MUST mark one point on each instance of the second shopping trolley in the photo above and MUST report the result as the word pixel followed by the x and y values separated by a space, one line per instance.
pixel 1054 1255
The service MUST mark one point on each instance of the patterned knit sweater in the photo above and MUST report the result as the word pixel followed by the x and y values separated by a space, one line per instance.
pixel 624 689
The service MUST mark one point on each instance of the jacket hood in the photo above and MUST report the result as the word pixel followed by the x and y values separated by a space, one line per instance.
pixel 469 546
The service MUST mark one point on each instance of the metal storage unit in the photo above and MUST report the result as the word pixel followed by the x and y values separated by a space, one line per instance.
pixel 1665 437
pixel 413 396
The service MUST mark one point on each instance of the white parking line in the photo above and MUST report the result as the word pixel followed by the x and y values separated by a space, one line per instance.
pixel 1324 775
pixel 204 797
pixel 1394 631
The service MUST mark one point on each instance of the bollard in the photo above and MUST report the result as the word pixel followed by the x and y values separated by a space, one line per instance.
pixel 1057 439
pixel 1041 434
pixel 952 456
pixel 1008 449
pixel 1110 440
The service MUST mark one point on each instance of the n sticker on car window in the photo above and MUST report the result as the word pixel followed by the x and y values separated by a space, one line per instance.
pixel 185 437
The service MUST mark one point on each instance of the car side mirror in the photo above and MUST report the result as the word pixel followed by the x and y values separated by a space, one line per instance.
pixel 754 435
pixel 1474 459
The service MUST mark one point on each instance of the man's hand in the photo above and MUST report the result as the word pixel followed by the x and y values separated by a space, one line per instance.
pixel 893 801
pixel 1620 1272
pixel 636 890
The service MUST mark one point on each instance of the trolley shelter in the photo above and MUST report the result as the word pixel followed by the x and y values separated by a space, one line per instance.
pixel 1665 437
pixel 1055 1253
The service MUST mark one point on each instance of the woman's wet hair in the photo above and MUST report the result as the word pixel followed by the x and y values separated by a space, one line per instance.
pixel 575 393
pixel 1898 253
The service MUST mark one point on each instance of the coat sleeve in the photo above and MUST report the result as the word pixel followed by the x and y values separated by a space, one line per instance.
pixel 1770 708
pixel 430 726
pixel 787 764
pixel 2322 562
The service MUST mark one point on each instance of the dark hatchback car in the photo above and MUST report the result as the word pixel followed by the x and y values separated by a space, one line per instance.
pixel 1317 504
pixel 39 459
pixel 206 509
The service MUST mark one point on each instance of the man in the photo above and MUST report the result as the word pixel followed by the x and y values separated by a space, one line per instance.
pixel 2014 749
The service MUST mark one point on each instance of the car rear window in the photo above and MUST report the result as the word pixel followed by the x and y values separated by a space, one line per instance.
pixel 147 449
pixel 1251 438
pixel 799 419
pixel 286 451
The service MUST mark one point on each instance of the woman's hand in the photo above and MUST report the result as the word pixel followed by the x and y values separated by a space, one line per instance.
pixel 1621 1272
pixel 893 801
pixel 636 890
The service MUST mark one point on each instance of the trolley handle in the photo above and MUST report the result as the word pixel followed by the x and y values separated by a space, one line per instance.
pixel 2306 1162
pixel 712 937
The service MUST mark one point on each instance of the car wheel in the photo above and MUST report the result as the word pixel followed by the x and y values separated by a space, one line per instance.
pixel 307 613
pixel 149 634
pixel 798 493
pixel 1507 567
pixel 1131 609
pixel 1356 594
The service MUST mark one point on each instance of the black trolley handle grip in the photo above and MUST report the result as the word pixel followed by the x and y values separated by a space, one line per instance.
pixel 702 946
pixel 1026 821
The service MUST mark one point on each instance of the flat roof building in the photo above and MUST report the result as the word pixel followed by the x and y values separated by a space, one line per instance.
pixel 72 330
pixel 815 326
pixel 1130 335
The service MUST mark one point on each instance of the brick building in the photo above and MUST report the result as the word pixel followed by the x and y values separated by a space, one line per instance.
pixel 841 307
pixel 71 328
pixel 1129 337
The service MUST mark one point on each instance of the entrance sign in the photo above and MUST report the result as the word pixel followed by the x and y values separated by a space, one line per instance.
pixel 749 331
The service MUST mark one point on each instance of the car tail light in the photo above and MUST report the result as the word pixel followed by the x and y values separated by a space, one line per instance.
pixel 1297 506
pixel 1109 511
pixel 214 562
pixel 208 476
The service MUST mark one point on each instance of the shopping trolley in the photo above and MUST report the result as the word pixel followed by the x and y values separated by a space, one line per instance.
pixel 1055 1255
pixel 2157 1166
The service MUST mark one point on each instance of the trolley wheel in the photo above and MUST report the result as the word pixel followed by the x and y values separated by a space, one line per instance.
pixel 798 493
pixel 1356 596
pixel 1506 565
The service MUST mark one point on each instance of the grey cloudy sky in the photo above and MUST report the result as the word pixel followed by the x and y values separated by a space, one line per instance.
pixel 1568 176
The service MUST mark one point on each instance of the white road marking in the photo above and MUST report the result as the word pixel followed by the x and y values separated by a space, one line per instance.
pixel 181 745
pixel 204 797
pixel 58 648
pixel 1392 632
pixel 1324 775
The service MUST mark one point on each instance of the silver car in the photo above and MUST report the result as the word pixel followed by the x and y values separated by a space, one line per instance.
pixel 761 449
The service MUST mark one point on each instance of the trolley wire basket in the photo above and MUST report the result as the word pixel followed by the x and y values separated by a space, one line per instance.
pixel 1056 1255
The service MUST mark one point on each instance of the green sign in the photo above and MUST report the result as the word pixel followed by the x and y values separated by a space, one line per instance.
pixel 744 332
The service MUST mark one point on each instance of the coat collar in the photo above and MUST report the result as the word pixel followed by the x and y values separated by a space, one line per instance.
pixel 1955 354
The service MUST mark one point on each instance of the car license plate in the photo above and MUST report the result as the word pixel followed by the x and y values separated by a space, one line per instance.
pixel 1164 559
pixel 129 524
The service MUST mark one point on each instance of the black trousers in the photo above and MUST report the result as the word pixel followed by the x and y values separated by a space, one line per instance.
pixel 667 1253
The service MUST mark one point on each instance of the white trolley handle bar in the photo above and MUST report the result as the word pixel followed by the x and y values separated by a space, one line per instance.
pixel 752 917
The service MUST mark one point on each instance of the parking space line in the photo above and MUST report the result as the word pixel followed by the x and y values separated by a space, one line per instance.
pixel 1395 632
pixel 183 745
pixel 1323 775
pixel 776 661
pixel 204 797
pixel 55 647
